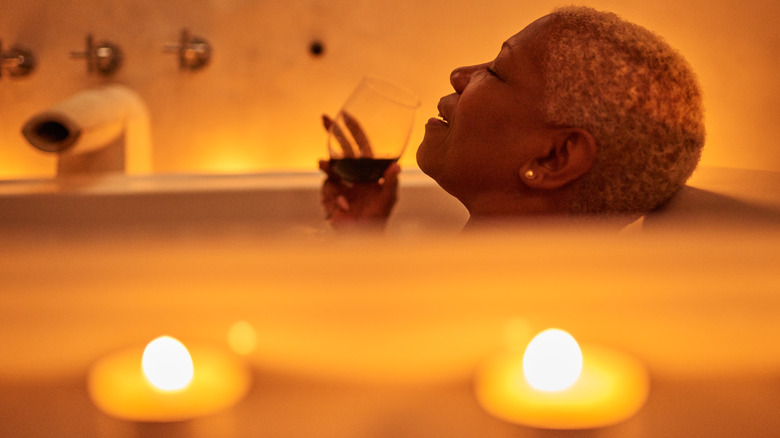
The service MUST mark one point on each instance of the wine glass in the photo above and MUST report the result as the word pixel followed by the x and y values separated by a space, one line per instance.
pixel 371 130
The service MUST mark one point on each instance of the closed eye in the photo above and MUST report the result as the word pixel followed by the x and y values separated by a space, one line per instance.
pixel 492 72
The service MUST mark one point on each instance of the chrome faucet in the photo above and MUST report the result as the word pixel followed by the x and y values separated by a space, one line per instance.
pixel 104 58
pixel 194 52
pixel 17 61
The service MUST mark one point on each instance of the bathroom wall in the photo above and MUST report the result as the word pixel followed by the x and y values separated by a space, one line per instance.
pixel 257 106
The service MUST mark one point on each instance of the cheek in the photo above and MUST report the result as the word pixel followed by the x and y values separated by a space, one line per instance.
pixel 486 117
pixel 485 136
pixel 496 145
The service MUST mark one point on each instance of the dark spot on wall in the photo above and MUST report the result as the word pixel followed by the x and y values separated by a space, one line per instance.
pixel 317 48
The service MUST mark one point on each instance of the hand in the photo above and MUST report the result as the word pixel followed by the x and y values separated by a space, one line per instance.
pixel 349 204
pixel 355 144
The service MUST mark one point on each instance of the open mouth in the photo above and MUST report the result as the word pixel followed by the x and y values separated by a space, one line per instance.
pixel 442 115
pixel 439 121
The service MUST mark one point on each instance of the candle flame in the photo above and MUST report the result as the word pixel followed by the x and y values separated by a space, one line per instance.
pixel 552 361
pixel 167 364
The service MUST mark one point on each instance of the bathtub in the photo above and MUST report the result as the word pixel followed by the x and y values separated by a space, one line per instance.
pixel 367 335
pixel 272 203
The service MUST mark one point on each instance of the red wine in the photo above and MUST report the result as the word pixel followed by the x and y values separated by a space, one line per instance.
pixel 361 169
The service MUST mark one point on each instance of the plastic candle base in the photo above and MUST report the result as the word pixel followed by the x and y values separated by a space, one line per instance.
pixel 611 388
pixel 118 387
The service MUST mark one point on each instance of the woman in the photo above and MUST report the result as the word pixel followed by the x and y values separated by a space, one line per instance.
pixel 581 113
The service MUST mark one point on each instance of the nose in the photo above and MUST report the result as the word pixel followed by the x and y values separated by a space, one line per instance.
pixel 461 76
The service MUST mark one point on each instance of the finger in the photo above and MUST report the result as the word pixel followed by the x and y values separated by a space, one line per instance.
pixel 334 195
pixel 338 134
pixel 342 203
pixel 332 177
pixel 329 195
pixel 358 134
pixel 324 166
pixel 330 189
pixel 393 170
pixel 326 122
pixel 389 192
pixel 343 141
pixel 391 177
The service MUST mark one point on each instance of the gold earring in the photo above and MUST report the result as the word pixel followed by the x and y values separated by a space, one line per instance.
pixel 529 174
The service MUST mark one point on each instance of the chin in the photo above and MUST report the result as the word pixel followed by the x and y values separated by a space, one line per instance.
pixel 429 152
pixel 424 158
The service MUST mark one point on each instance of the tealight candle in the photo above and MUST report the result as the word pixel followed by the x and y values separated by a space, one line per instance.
pixel 558 384
pixel 167 382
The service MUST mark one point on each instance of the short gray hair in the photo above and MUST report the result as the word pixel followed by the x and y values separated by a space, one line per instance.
pixel 636 95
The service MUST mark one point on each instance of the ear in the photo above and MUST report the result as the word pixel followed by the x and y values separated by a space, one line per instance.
pixel 571 154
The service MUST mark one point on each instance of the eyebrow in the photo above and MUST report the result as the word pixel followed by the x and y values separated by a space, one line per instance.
pixel 510 52
pixel 508 47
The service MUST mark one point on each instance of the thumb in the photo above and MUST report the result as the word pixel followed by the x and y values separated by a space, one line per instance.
pixel 390 184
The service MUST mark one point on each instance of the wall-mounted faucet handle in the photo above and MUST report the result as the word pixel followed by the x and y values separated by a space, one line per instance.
pixel 194 52
pixel 103 57
pixel 17 61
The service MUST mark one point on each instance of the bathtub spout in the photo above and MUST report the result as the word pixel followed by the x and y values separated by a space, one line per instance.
pixel 99 130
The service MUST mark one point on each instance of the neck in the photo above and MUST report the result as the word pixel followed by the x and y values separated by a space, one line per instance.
pixel 501 207
pixel 548 210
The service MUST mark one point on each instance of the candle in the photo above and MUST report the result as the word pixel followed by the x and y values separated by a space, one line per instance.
pixel 558 384
pixel 167 381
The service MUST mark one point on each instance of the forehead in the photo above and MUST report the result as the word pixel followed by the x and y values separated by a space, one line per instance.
pixel 526 44
pixel 520 63
pixel 520 57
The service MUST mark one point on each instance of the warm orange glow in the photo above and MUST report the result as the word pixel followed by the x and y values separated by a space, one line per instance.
pixel 224 160
pixel 611 388
pixel 242 337
pixel 167 364
pixel 552 361
pixel 119 388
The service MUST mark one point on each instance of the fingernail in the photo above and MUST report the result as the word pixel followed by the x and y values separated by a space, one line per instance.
pixel 341 201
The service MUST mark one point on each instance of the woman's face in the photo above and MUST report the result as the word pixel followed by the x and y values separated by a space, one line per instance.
pixel 490 126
